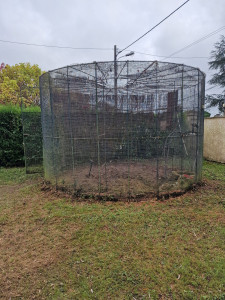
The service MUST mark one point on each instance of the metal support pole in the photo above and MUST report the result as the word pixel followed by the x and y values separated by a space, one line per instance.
pixel 53 133
pixel 157 135
pixel 202 123
pixel 193 144
pixel 115 76
pixel 128 134
pixel 198 133
pixel 70 122
pixel 104 121
pixel 182 118
pixel 97 129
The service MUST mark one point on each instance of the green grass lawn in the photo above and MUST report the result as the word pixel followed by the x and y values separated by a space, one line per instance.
pixel 54 248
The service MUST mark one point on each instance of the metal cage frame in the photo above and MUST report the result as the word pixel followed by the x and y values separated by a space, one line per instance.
pixel 124 128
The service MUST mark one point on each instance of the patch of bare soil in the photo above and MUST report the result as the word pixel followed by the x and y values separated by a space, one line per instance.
pixel 119 180
pixel 116 178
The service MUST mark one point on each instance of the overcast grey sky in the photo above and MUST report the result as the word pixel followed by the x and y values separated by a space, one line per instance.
pixel 103 23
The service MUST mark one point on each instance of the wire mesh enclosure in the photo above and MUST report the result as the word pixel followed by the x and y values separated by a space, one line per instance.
pixel 123 129
pixel 32 140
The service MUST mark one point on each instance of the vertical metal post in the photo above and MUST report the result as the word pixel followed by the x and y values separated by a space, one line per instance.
pixel 97 128
pixel 70 123
pixel 202 122
pixel 104 112
pixel 182 118
pixel 115 76
pixel 197 137
pixel 24 145
pixel 157 137
pixel 53 132
pixel 193 135
pixel 128 134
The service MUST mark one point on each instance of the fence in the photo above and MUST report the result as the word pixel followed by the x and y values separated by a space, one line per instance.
pixel 136 133
pixel 32 140
pixel 214 139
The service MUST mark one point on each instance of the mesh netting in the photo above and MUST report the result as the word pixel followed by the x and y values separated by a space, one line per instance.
pixel 32 139
pixel 126 130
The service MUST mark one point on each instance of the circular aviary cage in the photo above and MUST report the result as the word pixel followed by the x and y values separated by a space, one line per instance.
pixel 123 129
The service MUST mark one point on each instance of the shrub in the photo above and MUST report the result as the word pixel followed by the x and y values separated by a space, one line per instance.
pixel 11 135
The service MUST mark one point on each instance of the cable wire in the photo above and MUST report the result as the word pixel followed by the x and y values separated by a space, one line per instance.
pixel 186 47
pixel 154 26
pixel 197 41
pixel 53 46
pixel 212 87
pixel 164 56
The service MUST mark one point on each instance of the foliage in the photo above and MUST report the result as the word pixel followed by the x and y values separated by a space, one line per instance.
pixel 2 66
pixel 20 83
pixel 206 114
pixel 9 108
pixel 11 137
pixel 216 100
pixel 218 63
pixel 11 134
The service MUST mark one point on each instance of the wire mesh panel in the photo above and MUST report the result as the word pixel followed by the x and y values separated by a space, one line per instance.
pixel 132 132
pixel 32 139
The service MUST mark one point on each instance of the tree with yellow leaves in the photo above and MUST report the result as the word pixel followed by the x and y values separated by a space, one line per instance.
pixel 20 84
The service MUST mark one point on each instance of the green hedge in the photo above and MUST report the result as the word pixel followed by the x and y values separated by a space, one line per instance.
pixel 11 135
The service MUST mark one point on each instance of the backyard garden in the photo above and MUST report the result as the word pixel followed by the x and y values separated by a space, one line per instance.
pixel 54 246
pixel 109 218
pixel 104 192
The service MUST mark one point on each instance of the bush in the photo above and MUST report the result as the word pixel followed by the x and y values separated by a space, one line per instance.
pixel 11 135
pixel 207 114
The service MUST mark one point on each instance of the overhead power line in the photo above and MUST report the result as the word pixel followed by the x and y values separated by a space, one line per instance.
pixel 164 56
pixel 186 47
pixel 154 26
pixel 99 48
pixel 82 48
pixel 53 46
pixel 212 87
pixel 197 41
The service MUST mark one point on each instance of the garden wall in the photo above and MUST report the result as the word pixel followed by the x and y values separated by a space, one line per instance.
pixel 214 139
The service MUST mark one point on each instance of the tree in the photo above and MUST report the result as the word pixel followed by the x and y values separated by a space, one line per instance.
pixel 2 66
pixel 218 63
pixel 19 83
pixel 207 114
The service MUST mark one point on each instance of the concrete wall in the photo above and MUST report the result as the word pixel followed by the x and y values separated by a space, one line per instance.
pixel 214 139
